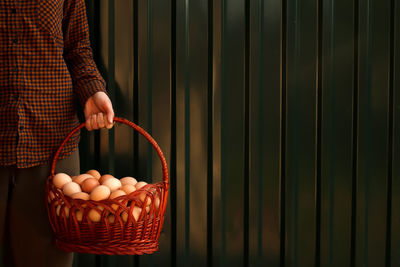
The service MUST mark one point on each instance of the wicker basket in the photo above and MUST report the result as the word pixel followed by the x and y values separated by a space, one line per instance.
pixel 124 235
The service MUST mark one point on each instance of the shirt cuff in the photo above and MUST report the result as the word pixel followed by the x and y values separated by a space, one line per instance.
pixel 87 90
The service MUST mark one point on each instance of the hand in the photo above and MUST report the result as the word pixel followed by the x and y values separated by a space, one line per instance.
pixel 99 112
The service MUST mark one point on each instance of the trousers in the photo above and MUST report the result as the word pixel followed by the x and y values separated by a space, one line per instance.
pixel 25 233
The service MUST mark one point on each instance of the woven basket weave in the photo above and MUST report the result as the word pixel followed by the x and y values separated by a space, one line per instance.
pixel 124 235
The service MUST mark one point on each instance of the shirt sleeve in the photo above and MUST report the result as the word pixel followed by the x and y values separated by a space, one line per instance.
pixel 77 51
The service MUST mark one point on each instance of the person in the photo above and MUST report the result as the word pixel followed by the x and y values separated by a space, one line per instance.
pixel 45 64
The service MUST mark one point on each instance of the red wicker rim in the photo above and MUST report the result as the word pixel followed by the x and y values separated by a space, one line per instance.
pixel 135 127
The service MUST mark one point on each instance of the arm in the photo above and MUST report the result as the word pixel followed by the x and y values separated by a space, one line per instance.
pixel 87 81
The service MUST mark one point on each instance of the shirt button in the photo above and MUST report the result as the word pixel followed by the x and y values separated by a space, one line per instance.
pixel 14 11
pixel 21 128
pixel 15 41
pixel 15 69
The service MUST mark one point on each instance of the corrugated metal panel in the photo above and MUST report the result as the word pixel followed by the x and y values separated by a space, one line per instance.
pixel 279 120
pixel 301 137
pixel 265 130
pixel 373 132
pixel 338 104
pixel 191 132
pixel 393 244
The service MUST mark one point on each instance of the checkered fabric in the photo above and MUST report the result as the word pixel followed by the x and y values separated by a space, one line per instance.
pixel 45 62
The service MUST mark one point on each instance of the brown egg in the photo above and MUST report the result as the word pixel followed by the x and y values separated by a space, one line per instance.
pixel 51 196
pixel 105 177
pixel 135 213
pixel 60 179
pixel 128 188
pixel 140 185
pixel 95 215
pixel 112 183
pixel 115 194
pixel 111 218
pixel 65 209
pixel 80 178
pixel 100 192
pixel 128 180
pixel 80 195
pixel 143 197
pixel 94 173
pixel 71 188
pixel 79 215
pixel 89 184
pixel 157 202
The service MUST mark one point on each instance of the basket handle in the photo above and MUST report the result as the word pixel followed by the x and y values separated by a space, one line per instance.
pixel 129 123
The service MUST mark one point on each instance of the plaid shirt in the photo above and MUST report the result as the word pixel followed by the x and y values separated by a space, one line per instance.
pixel 45 61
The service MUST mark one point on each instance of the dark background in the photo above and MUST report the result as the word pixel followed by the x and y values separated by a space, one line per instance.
pixel 279 121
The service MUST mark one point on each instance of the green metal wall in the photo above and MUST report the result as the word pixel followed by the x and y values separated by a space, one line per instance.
pixel 279 120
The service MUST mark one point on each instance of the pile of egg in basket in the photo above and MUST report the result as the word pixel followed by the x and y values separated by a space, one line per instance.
pixel 94 186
